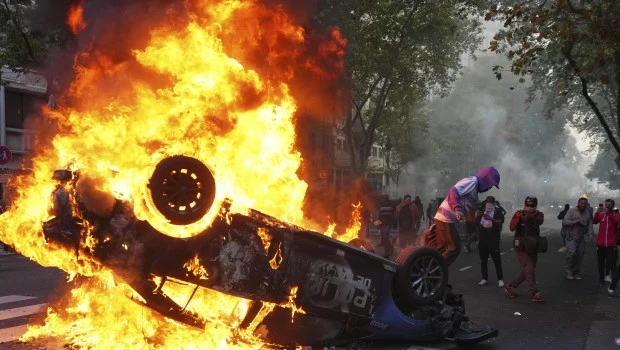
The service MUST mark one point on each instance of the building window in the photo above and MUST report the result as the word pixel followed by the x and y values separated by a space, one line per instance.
pixel 375 152
pixel 19 107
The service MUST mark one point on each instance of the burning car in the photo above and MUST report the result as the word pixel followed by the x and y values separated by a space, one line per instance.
pixel 326 292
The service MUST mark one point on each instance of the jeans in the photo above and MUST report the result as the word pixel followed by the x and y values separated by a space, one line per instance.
pixel 574 256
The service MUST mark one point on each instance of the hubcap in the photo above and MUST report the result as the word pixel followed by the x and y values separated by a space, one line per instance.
pixel 426 276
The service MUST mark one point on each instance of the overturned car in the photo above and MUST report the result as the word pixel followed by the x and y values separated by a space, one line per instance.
pixel 347 294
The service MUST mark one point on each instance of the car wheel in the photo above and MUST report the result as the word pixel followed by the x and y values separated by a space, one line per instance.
pixel 421 278
pixel 182 189
pixel 362 244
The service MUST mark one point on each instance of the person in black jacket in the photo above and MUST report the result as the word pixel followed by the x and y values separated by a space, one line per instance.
pixel 526 224
pixel 565 228
pixel 384 223
pixel 489 223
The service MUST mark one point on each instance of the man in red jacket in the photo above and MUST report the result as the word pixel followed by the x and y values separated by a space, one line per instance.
pixel 607 251
pixel 526 224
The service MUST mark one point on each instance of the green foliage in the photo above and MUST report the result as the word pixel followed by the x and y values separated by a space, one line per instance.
pixel 22 45
pixel 572 50
pixel 605 170
pixel 398 53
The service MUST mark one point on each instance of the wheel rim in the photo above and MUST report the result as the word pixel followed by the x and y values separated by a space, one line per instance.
pixel 182 189
pixel 426 276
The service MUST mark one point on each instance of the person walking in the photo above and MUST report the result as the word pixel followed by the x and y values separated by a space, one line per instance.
pixel 461 197
pixel 526 225
pixel 489 226
pixel 418 203
pixel 385 223
pixel 606 249
pixel 407 215
pixel 565 229
pixel 579 221
pixel 431 210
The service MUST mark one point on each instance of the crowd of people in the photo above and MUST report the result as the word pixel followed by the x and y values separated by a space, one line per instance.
pixel 461 219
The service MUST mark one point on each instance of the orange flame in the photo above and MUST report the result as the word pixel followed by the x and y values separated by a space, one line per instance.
pixel 75 17
pixel 194 87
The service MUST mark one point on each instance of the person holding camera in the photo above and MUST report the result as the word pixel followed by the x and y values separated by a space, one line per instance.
pixel 579 221
pixel 606 249
pixel 489 223
pixel 526 225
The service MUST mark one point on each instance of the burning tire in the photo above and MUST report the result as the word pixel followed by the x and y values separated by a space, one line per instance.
pixel 182 189
pixel 422 277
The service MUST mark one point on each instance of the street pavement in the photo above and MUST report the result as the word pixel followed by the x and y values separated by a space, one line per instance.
pixel 578 314
pixel 25 288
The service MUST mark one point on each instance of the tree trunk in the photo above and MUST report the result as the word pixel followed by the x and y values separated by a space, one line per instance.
pixel 597 112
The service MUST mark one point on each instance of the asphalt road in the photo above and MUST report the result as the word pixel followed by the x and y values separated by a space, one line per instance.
pixel 577 315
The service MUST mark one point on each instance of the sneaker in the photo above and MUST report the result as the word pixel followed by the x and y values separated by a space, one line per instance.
pixel 578 277
pixel 610 291
pixel 608 278
pixel 500 283
pixel 483 282
pixel 538 297
pixel 562 249
pixel 467 249
pixel 569 276
pixel 509 293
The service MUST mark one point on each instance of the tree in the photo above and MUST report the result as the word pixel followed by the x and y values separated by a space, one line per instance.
pixel 572 50
pixel 603 170
pixel 24 44
pixel 398 52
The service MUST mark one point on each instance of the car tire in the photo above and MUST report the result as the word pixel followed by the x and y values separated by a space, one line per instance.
pixel 182 189
pixel 362 244
pixel 421 278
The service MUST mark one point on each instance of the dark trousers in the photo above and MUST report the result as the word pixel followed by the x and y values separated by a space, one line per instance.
pixel 388 249
pixel 406 237
pixel 614 278
pixel 528 270
pixel 607 258
pixel 486 248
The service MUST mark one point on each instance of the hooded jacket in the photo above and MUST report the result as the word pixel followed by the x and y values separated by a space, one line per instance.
pixel 607 228
pixel 464 194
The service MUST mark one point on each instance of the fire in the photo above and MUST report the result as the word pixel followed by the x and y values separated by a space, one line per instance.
pixel 193 87
pixel 291 304
pixel 75 18
pixel 195 267
pixel 355 224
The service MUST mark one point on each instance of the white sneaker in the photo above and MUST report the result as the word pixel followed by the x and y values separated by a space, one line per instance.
pixel 483 282
pixel 500 283
pixel 608 278
pixel 610 291
pixel 562 249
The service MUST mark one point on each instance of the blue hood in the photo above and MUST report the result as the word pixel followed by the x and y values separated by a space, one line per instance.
pixel 487 178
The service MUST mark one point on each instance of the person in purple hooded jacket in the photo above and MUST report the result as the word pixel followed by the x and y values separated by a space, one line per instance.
pixel 461 198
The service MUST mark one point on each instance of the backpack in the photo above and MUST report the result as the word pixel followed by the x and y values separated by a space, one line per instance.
pixel 405 219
